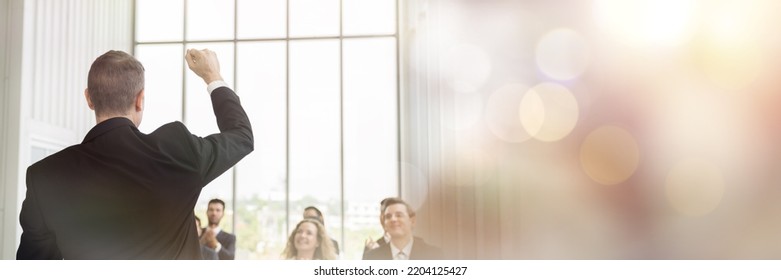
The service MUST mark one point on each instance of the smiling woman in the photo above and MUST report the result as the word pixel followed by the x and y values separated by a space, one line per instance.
pixel 309 241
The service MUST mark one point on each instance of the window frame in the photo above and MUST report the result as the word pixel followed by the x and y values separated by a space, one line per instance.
pixel 235 41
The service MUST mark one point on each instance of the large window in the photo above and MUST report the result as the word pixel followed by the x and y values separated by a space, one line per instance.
pixel 318 79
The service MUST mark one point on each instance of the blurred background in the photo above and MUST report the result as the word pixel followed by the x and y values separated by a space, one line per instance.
pixel 601 129
pixel 564 129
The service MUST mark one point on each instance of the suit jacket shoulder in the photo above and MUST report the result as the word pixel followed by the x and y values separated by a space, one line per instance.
pixel 424 251
pixel 123 194
pixel 380 253
pixel 380 242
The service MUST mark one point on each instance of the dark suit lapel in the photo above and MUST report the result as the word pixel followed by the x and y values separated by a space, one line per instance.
pixel 381 253
pixel 222 237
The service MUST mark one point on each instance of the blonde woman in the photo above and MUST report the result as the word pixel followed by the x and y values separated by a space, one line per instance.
pixel 309 241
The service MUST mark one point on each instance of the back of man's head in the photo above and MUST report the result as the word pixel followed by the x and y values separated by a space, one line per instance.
pixel 115 79
pixel 317 215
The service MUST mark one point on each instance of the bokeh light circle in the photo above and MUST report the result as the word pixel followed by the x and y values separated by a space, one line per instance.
pixel 647 22
pixel 502 113
pixel 730 67
pixel 549 112
pixel 694 187
pixel 609 155
pixel 562 54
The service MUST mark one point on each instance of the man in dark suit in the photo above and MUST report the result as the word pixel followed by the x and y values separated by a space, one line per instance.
pixel 123 194
pixel 372 244
pixel 216 239
pixel 311 212
pixel 399 219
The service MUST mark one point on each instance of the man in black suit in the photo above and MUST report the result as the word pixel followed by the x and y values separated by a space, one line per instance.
pixel 370 244
pixel 216 239
pixel 311 212
pixel 123 194
pixel 399 219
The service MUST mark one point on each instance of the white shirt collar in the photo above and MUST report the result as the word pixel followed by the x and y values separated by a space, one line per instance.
pixel 407 249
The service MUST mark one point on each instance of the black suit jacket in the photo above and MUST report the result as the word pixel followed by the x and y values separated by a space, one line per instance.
pixel 336 245
pixel 380 242
pixel 420 251
pixel 123 194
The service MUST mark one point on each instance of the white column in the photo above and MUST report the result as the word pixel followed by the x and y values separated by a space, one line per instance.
pixel 11 123
pixel 47 49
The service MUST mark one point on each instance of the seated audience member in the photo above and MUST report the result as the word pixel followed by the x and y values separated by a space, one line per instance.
pixel 399 220
pixel 312 212
pixel 370 244
pixel 309 241
pixel 206 252
pixel 214 237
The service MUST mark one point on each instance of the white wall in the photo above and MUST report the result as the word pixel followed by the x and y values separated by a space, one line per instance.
pixel 50 47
